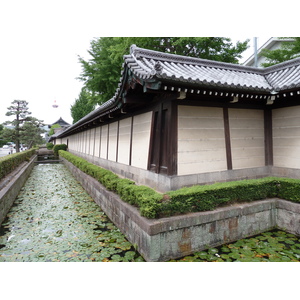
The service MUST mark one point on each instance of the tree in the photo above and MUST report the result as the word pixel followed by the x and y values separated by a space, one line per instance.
pixel 51 131
pixel 287 51
pixel 82 106
pixel 31 132
pixel 3 141
pixel 101 74
pixel 18 109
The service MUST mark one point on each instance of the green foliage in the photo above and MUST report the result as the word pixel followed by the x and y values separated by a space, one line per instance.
pixel 101 74
pixel 289 189
pixel 188 199
pixel 9 162
pixel 31 132
pixel 72 227
pixel 287 51
pixel 82 106
pixel 49 146
pixel 51 131
pixel 3 140
pixel 58 147
pixel 19 110
pixel 208 197
pixel 143 197
pixel 272 246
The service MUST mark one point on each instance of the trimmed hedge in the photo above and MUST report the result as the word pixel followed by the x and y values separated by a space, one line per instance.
pixel 58 147
pixel 49 146
pixel 9 162
pixel 208 197
pixel 189 199
pixel 143 197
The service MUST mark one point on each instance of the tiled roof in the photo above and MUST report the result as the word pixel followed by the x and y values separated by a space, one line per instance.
pixel 149 64
pixel 284 76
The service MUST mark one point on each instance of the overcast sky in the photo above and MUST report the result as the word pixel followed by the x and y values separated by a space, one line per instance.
pixel 41 42
pixel 39 46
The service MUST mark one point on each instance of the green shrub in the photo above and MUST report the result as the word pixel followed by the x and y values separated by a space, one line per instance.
pixel 58 147
pixel 208 197
pixel 189 199
pixel 289 189
pixel 10 162
pixel 49 146
pixel 143 197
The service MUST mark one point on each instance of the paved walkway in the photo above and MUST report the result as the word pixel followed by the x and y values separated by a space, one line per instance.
pixel 4 152
pixel 54 219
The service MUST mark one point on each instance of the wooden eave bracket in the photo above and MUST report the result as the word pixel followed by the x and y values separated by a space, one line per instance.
pixel 182 95
pixel 270 100
pixel 235 99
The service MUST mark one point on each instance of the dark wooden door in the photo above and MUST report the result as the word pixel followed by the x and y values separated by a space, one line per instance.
pixel 163 144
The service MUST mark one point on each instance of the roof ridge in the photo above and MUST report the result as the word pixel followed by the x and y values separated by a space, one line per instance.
pixel 284 65
pixel 138 52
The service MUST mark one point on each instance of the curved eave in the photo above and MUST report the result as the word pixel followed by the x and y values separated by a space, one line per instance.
pixel 159 71
pixel 106 108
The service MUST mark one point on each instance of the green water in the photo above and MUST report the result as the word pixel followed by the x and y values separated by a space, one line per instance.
pixel 55 220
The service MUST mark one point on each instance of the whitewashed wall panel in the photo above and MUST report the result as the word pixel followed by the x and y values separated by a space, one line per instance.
pixel 90 141
pixel 124 141
pixel 201 140
pixel 103 147
pixel 286 137
pixel 86 142
pixel 140 140
pixel 112 140
pixel 97 141
pixel 82 141
pixel 247 138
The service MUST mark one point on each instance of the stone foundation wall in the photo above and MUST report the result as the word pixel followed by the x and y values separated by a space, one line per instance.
pixel 11 186
pixel 163 183
pixel 174 237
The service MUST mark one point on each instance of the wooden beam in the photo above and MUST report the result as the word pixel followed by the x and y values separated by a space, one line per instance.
pixel 268 137
pixel 227 138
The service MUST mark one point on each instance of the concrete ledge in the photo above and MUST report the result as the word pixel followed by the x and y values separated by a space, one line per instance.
pixel 12 185
pixel 165 183
pixel 174 237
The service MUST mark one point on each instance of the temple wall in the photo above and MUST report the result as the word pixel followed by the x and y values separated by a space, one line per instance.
pixel 201 140
pixel 286 137
pixel 124 141
pixel 247 138
pixel 103 146
pixel 113 141
pixel 141 140
pixel 97 141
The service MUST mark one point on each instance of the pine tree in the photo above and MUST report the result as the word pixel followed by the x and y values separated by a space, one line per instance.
pixel 18 109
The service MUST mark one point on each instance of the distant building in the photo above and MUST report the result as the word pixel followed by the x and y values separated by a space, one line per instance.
pixel 63 125
pixel 60 122
pixel 272 44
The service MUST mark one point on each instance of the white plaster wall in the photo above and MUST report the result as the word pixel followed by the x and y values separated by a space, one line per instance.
pixel 81 141
pixel 247 138
pixel 74 145
pixel 103 148
pixel 124 141
pixel 286 137
pixel 90 141
pixel 85 142
pixel 113 138
pixel 97 141
pixel 201 140
pixel 140 140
